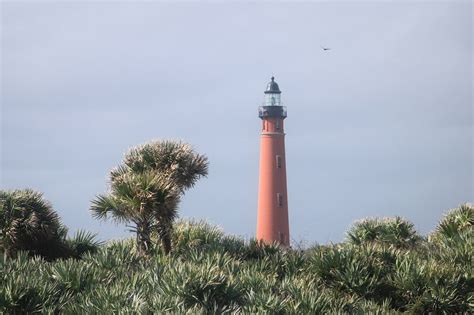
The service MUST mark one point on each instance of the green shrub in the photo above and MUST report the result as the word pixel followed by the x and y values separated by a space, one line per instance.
pixel 199 235
pixel 396 232
pixel 73 276
pixel 25 285
pixel 81 243
pixel 29 223
pixel 456 222
pixel 303 296
pixel 211 273
pixel 427 286
pixel 123 297
pixel 115 255
pixel 355 270
pixel 204 285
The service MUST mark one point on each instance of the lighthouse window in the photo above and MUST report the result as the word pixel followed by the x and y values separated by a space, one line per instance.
pixel 277 124
pixel 278 161
pixel 263 124
pixel 279 200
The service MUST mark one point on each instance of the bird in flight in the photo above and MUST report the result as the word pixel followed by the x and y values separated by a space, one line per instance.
pixel 325 48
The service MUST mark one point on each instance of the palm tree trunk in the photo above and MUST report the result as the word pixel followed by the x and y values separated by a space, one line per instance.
pixel 140 245
pixel 166 242
pixel 165 235
pixel 143 239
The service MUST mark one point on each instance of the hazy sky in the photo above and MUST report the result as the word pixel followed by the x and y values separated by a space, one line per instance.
pixel 381 125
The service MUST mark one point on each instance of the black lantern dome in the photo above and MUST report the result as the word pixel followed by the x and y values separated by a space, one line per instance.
pixel 272 87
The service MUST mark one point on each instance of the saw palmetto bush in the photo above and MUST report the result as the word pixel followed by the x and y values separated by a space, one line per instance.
pixel 455 223
pixel 452 242
pixel 29 223
pixel 209 272
pixel 81 243
pixel 396 232
pixel 188 235
pixel 354 270
pixel 427 286
pixel 199 235
pixel 205 284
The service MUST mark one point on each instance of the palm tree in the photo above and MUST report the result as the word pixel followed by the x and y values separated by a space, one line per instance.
pixel 174 160
pixel 28 222
pixel 147 200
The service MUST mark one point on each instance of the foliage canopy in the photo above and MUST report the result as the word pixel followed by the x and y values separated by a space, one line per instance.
pixel 210 272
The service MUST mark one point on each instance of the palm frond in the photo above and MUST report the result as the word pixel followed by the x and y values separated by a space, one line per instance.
pixel 176 159
pixel 102 205
pixel 83 242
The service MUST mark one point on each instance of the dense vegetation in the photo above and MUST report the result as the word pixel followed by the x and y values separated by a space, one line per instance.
pixel 383 267
pixel 29 223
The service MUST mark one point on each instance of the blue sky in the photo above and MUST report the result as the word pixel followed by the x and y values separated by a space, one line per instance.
pixel 381 125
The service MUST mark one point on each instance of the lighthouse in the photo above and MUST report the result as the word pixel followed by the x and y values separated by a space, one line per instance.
pixel 272 218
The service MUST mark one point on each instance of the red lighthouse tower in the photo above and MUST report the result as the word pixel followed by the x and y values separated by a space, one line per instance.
pixel 272 220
